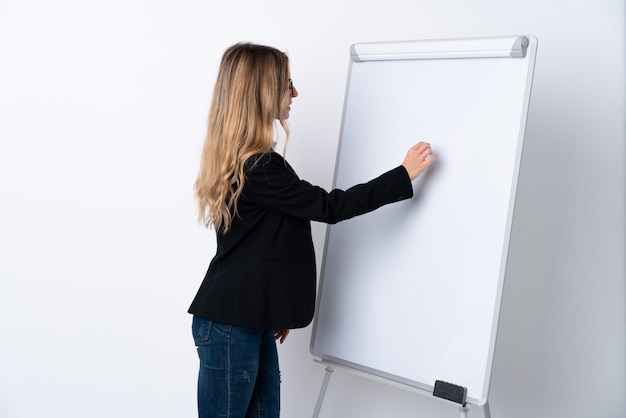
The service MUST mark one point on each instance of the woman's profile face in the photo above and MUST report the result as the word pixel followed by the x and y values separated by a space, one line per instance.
pixel 284 114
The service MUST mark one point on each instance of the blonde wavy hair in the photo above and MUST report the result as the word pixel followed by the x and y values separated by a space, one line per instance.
pixel 251 90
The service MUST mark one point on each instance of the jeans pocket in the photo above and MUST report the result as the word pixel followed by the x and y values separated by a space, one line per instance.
pixel 200 328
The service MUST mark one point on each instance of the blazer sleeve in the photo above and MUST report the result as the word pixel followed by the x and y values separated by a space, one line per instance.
pixel 273 185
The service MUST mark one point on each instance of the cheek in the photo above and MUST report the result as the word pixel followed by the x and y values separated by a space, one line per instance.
pixel 284 111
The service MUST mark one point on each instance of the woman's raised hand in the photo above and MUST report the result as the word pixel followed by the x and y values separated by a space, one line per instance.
pixel 418 158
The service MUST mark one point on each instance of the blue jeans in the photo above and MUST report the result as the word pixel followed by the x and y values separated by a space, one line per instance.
pixel 239 375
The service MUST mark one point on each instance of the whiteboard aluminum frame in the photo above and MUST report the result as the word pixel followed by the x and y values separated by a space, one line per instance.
pixel 520 46
pixel 496 47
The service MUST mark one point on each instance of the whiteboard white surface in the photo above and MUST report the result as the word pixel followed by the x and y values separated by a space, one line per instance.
pixel 411 292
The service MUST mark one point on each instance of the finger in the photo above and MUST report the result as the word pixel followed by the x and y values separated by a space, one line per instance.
pixel 426 155
pixel 421 150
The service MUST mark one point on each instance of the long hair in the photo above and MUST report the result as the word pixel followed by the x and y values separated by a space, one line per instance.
pixel 252 88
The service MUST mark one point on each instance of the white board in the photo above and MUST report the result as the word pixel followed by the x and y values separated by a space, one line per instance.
pixel 411 292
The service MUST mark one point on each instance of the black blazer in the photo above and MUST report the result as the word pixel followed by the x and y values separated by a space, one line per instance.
pixel 263 274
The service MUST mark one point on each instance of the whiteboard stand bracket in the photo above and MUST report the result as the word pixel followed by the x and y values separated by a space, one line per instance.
pixel 464 409
pixel 320 397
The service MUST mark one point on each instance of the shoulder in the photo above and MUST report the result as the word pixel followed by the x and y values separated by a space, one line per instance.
pixel 267 162
pixel 261 160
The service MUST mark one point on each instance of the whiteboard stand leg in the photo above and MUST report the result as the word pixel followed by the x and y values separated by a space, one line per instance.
pixel 320 398
pixel 487 411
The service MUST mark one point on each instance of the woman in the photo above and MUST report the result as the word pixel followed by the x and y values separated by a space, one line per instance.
pixel 261 281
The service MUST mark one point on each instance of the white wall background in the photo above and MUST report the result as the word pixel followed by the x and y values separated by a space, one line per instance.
pixel 102 113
